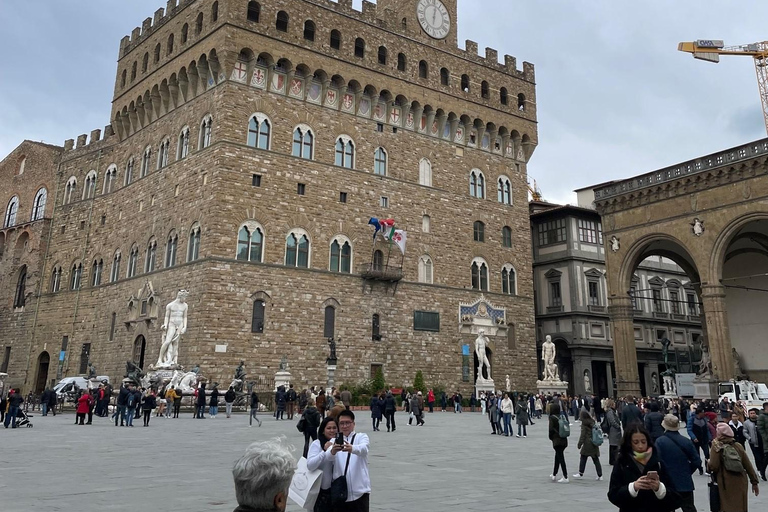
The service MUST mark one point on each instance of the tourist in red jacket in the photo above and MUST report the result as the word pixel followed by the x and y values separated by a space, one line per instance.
pixel 431 400
pixel 83 406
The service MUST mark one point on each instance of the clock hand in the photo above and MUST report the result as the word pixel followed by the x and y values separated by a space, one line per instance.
pixel 434 17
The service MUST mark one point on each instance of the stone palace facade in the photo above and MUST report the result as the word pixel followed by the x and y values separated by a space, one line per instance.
pixel 249 145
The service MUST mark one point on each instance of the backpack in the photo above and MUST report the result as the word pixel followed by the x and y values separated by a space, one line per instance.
pixel 605 426
pixel 597 435
pixel 130 400
pixel 564 428
pixel 732 460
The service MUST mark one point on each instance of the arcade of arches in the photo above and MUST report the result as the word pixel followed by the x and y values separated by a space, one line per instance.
pixel 710 216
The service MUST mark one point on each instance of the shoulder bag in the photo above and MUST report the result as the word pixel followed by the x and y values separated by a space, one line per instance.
pixel 339 491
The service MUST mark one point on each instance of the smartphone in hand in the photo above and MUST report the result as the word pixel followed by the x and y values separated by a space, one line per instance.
pixel 340 439
pixel 653 475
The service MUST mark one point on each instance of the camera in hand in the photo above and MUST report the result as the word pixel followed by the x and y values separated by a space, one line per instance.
pixel 340 438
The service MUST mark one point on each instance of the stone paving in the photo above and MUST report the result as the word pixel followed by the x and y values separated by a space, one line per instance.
pixel 450 464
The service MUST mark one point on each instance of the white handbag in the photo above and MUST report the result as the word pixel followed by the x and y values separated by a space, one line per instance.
pixel 305 485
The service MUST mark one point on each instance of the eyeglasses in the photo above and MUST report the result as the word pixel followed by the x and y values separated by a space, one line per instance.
pixel 345 423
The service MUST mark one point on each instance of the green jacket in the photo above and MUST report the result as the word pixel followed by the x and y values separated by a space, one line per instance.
pixel 762 429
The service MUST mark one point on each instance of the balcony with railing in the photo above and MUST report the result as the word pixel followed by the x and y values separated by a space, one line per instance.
pixel 381 272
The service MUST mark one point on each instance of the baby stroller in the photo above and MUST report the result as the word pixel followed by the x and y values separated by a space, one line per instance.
pixel 22 419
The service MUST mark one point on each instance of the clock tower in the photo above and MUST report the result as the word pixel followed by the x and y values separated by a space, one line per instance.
pixel 431 20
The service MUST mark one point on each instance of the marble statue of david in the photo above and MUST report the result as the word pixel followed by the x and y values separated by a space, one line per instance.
pixel 175 325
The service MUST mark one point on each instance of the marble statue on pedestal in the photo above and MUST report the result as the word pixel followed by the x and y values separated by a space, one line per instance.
pixel 705 365
pixel 481 342
pixel 175 325
pixel 587 383
pixel 548 353
pixel 509 386
pixel 91 371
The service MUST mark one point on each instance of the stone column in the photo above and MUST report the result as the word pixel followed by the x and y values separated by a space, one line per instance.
pixel 609 374
pixel 718 338
pixel 624 349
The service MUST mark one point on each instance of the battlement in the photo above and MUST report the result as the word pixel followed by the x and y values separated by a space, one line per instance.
pixel 94 141
pixel 491 60
pixel 150 25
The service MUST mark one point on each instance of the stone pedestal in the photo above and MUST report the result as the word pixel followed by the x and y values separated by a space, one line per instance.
pixel 282 378
pixel 486 385
pixel 705 389
pixel 552 387
pixel 331 375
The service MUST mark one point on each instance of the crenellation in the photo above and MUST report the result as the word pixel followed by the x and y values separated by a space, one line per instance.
pixel 135 34
pixel 95 136
pixel 471 48
pixel 369 11
pixel 124 42
pixel 108 131
pixel 81 140
pixel 171 6
pixel 528 72
pixel 492 57
pixel 146 27
pixel 69 144
pixel 510 63
pixel 159 14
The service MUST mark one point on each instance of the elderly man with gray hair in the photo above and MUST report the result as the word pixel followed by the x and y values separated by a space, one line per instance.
pixel 262 477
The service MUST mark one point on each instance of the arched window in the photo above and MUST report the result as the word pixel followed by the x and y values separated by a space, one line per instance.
pixel 19 298
pixel 303 142
pixel 133 71
pixel 145 62
pixel 110 178
pixel 199 24
pixel 478 231
pixel 445 76
pixel 375 327
pixel 133 261
pixel 254 11
pixel 297 249
pixel 401 62
pixel 359 47
pixel 169 47
pixel 335 39
pixel 145 159
pixel 56 279
pixel 341 255
pixel 506 237
pixel 521 102
pixel 425 269
pixel 380 162
pixel 162 154
pixel 151 259
pixel 38 206
pixel 426 222
pixel 479 275
pixel 157 53
pixel 485 90
pixel 89 191
pixel 309 30
pixel 504 190
pixel 259 131
pixel 257 319
pixel 423 69
pixel 250 242
pixel 22 165
pixel 184 33
pixel 129 172
pixel 123 78
pixel 193 246
pixel 504 96
pixel 215 12
pixel 98 267
pixel 10 212
pixel 206 129
pixel 281 23
pixel 76 276
pixel 115 272
pixel 477 184
pixel 70 190
pixel 182 150
pixel 465 83
pixel 345 152
pixel 171 246
pixel 382 54
pixel 378 260
pixel 425 172
pixel 329 322
pixel 508 280
pixel 404 23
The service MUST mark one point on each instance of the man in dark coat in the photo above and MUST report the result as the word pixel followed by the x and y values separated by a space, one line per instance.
pixel 390 406
pixel 680 458
pixel 630 413
pixel 597 406
pixel 290 398
pixel 201 402
pixel 653 420
pixel 122 402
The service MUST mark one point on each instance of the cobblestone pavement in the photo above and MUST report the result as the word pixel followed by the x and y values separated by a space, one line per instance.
pixel 450 464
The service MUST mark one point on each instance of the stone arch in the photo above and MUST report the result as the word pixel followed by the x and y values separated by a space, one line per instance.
pixel 659 244
pixel 41 376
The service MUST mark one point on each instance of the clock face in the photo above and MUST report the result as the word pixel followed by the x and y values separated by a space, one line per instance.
pixel 434 18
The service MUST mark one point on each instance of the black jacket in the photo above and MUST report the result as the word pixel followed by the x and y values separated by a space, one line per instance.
pixel 150 402
pixel 630 414
pixel 312 415
pixel 389 404
pixel 122 396
pixel 626 471
pixel 652 422
pixel 201 395
pixel 214 398
pixel 230 396
pixel 254 400
pixel 554 432
pixel 16 400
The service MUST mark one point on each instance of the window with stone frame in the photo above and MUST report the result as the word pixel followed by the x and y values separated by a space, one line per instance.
pixel 171 246
pixel 508 280
pixel 359 47
pixel 184 33
pixel 375 327
pixel 303 142
pixel 96 270
pixel 658 301
pixel 259 131
pixel 309 30
pixel 380 162
pixel 425 270
pixel 382 55
pixel 555 295
pixel 110 179
pixel 10 212
pixel 594 292
pixel 250 242
pixel 56 279
pixel 506 237
pixel 425 224
pixel 297 249
pixel 425 172
pixel 423 69
pixel 76 276
pixel 503 96
pixel 199 24
pixel 89 191
pixel 112 326
pixel 552 232
pixel 145 160
pixel 504 190
pixel 378 260
pixel 329 322
pixel 692 303
pixel 128 172
pixel 478 231
pixel 401 62
pixel 257 318
pixel 115 272
pixel 477 184
pixel 162 154
pixel 20 297
pixel 133 261
pixel 281 23
pixel 445 77
pixel 254 11
pixel 341 255
pixel 206 131
pixel 588 231
pixel 151 258
pixel 193 246
pixel 335 40
pixel 182 150
pixel 479 275
pixel 70 190
pixel 674 301
pixel 345 152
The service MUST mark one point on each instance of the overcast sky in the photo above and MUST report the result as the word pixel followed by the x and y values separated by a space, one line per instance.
pixel 615 97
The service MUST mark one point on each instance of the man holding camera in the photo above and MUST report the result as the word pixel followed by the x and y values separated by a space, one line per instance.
pixel 353 447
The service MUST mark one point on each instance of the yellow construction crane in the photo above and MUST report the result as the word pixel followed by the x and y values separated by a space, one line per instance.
pixel 711 50
pixel 535 192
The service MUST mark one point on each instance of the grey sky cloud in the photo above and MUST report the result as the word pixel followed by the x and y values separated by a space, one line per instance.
pixel 614 96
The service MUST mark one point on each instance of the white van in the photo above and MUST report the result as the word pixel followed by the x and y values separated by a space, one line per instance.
pixel 67 384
